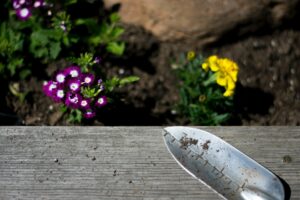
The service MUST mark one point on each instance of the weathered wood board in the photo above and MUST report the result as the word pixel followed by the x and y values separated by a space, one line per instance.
pixel 125 162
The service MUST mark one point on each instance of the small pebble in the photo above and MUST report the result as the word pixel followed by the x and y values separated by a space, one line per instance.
pixel 273 43
pixel 293 71
pixel 173 112
pixel 287 159
pixel 121 71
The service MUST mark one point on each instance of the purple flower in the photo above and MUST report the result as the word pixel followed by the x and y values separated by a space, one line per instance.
pixel 16 4
pixel 73 71
pixel 38 3
pixel 60 77
pixel 23 7
pixel 100 84
pixel 89 114
pixel 74 85
pixel 49 88
pixel 85 104
pixel 59 95
pixel 23 2
pixel 73 100
pixel 23 13
pixel 101 101
pixel 101 87
pixel 97 60
pixel 87 78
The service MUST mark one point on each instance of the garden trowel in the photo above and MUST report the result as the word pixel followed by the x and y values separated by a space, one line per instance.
pixel 220 166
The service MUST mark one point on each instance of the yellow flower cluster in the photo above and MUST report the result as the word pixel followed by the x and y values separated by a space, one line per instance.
pixel 226 72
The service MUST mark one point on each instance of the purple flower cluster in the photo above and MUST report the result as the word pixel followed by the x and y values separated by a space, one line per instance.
pixel 24 8
pixel 68 86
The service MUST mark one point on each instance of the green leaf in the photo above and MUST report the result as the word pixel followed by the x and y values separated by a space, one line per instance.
pixel 218 119
pixel 66 41
pixel 41 52
pixel 90 92
pixel 114 17
pixel 129 79
pixel 38 38
pixel 110 84
pixel 90 23
pixel 85 60
pixel 70 2
pixel 211 80
pixel 75 116
pixel 116 32
pixel 95 40
pixel 63 108
pixel 1 67
pixel 116 48
pixel 24 73
pixel 13 65
pixel 54 49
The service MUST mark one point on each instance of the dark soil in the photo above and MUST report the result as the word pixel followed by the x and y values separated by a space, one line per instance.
pixel 186 142
pixel 205 146
pixel 268 92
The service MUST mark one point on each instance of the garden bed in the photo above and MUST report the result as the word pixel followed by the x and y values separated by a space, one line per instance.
pixel 268 92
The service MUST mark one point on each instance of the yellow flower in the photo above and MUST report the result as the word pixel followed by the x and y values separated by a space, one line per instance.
pixel 226 72
pixel 191 55
pixel 211 63
pixel 227 75
pixel 228 93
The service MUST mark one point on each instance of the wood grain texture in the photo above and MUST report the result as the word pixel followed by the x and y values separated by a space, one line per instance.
pixel 125 162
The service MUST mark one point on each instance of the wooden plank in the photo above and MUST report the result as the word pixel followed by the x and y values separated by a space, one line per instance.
pixel 125 162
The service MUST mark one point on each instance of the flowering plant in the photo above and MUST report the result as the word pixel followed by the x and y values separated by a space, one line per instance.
pixel 24 8
pixel 34 33
pixel 80 90
pixel 206 88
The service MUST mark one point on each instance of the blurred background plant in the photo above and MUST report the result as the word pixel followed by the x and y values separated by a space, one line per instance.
pixel 35 33
pixel 206 88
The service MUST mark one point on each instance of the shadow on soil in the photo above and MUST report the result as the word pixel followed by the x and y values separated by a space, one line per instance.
pixel 252 101
pixel 128 115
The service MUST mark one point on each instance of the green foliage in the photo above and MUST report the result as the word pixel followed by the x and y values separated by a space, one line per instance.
pixel 85 61
pixel 89 92
pixel 11 44
pixel 75 116
pixel 201 99
pixel 23 43
pixel 62 22
pixel 44 37
pixel 105 33
pixel 116 48
pixel 45 43
pixel 114 82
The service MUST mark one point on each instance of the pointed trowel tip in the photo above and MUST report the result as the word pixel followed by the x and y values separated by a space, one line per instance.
pixel 170 129
pixel 176 131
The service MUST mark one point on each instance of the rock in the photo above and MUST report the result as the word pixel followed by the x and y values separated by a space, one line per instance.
pixel 55 117
pixel 204 20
